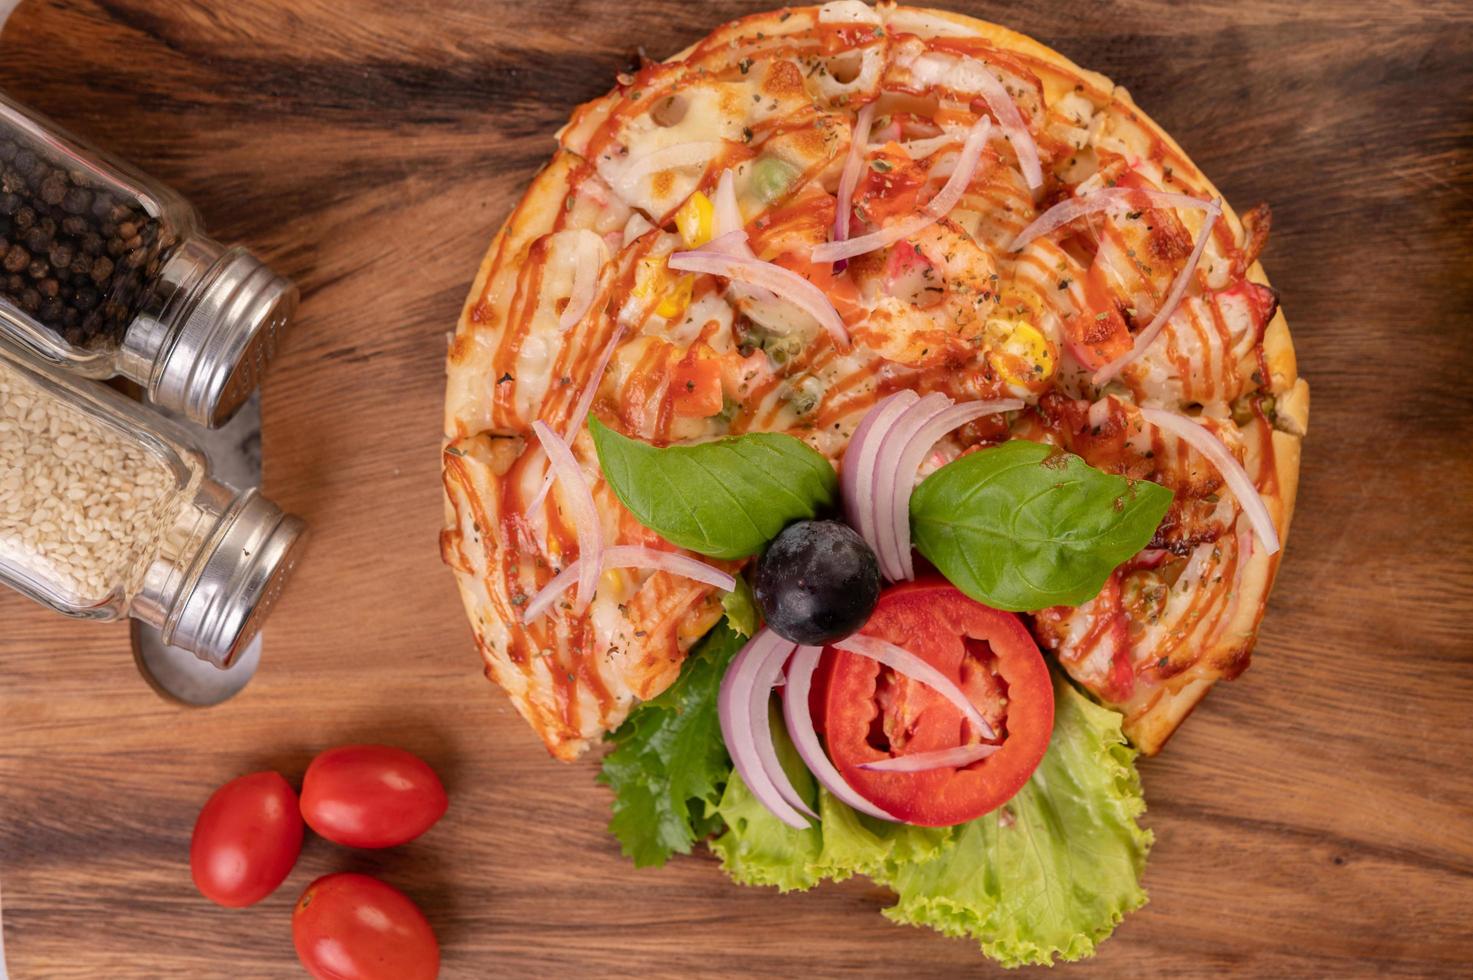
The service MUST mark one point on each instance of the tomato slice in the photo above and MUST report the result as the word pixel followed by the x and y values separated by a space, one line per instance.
pixel 869 712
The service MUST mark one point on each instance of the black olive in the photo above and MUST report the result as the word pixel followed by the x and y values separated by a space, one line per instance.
pixel 817 582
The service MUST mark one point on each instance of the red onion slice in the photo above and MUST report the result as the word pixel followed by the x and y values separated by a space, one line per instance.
pixel 733 708
pixel 937 208
pixel 919 149
pixel 729 233
pixel 630 556
pixel 726 218
pixel 548 594
pixel 580 501
pixel 888 235
pixel 782 282
pixel 1013 127
pixel 799 719
pixel 635 556
pixel 889 478
pixel 580 410
pixel 1105 199
pixel 955 757
pixel 956 185
pixel 902 661
pixel 858 478
pixel 1239 482
pixel 914 452
pixel 1146 337
pixel 762 685
pixel 853 166
pixel 585 287
pixel 667 158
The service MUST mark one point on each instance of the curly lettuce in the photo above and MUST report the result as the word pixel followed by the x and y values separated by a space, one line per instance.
pixel 1047 876
pixel 669 764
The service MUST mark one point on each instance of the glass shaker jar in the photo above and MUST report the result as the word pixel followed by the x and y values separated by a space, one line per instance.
pixel 107 511
pixel 106 272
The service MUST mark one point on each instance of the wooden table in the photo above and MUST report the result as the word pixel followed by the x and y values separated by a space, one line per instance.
pixel 1314 817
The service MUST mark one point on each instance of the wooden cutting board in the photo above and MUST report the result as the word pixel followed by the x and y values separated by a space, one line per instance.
pixel 1314 817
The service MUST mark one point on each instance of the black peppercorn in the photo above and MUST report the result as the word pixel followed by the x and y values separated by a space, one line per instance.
pixel 76 200
pixel 73 253
pixel 53 188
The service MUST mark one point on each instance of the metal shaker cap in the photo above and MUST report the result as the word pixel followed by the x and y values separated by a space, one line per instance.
pixel 230 326
pixel 235 579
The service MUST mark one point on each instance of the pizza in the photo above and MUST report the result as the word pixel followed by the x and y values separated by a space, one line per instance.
pixel 1011 228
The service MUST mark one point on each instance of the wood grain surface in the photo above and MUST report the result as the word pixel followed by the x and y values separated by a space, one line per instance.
pixel 1314 817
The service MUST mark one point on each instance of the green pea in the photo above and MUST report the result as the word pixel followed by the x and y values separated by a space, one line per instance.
pixel 771 178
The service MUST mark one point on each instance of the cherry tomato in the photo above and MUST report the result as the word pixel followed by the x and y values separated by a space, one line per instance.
pixel 353 927
pixel 371 796
pixel 246 839
pixel 870 713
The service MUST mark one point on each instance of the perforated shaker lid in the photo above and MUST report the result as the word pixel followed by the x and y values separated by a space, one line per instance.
pixel 235 320
pixel 237 579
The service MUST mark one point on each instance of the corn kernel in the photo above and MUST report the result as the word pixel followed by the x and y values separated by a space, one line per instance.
pixel 649 275
pixel 652 281
pixel 696 219
pixel 615 582
pixel 1020 353
pixel 676 297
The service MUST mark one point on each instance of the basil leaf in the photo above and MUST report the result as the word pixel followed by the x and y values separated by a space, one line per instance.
pixel 1024 526
pixel 726 498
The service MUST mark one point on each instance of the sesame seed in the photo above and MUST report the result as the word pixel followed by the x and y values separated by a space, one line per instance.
pixel 82 505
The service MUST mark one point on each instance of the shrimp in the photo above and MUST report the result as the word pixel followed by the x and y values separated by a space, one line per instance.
pixel 929 298
pixel 1209 350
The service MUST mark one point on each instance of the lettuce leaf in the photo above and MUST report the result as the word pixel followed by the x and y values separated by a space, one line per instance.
pixel 758 849
pixel 1049 874
pixel 669 763
pixel 740 606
